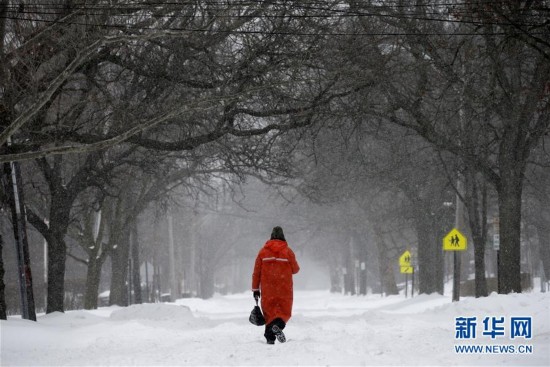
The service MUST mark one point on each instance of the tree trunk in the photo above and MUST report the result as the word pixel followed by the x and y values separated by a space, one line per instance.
pixel 350 265
pixel 92 283
pixel 54 235
pixel 477 216
pixel 541 221
pixel 206 282
pixel 57 255
pixel 387 277
pixel 430 257
pixel 119 272
pixel 335 286
pixel 390 285
pixel 509 201
pixel 543 233
pixel 92 242
pixel 335 279
pixel 479 263
pixel 136 279
pixel 57 249
pixel 363 255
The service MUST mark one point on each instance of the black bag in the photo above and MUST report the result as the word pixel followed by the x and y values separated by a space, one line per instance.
pixel 256 316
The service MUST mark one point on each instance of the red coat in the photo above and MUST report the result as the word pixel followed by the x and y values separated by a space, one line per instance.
pixel 273 271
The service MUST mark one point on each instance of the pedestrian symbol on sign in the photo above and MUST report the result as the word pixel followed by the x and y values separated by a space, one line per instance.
pixel 454 241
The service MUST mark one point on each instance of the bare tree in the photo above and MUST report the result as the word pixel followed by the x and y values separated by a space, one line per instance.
pixel 537 202
pixel 84 81
pixel 474 61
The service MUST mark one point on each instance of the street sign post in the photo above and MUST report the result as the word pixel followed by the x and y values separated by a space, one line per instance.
pixel 455 241
pixel 406 268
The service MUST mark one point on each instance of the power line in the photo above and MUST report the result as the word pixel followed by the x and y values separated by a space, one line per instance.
pixel 384 3
pixel 332 14
pixel 266 32
pixel 302 5
pixel 327 13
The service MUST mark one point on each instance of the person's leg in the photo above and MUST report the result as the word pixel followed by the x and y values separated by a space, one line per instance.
pixel 269 335
pixel 280 323
pixel 277 327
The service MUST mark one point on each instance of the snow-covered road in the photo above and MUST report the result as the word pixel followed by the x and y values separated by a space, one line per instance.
pixel 326 329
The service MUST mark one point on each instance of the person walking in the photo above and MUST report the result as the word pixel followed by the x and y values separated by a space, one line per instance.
pixel 273 270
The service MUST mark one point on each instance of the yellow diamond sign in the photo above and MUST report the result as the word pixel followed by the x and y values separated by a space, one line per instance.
pixel 405 259
pixel 405 263
pixel 454 241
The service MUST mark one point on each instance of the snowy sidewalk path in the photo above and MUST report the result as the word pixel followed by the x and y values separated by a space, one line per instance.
pixel 326 329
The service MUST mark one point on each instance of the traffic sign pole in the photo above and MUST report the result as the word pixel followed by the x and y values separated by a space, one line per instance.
pixel 406 268
pixel 412 283
pixel 456 242
pixel 459 215
pixel 456 276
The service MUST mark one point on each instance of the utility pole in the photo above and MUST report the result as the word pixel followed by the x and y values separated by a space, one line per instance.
pixel 173 283
pixel 459 224
pixel 46 268
pixel 3 315
pixel 147 290
pixel 13 183
pixel 363 277
pixel 496 247
pixel 136 264
pixel 195 225
pixel 459 212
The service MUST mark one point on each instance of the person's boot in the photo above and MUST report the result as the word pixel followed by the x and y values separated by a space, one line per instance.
pixel 278 333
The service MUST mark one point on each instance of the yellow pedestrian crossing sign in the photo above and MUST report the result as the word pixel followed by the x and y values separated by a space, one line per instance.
pixel 405 259
pixel 405 263
pixel 455 241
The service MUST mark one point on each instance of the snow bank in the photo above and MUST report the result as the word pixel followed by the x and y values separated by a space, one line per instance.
pixel 160 315
pixel 154 312
pixel 72 318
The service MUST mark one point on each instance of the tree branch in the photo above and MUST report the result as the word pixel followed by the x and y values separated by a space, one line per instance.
pixel 78 61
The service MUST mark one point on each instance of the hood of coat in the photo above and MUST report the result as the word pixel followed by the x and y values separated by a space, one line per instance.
pixel 276 246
